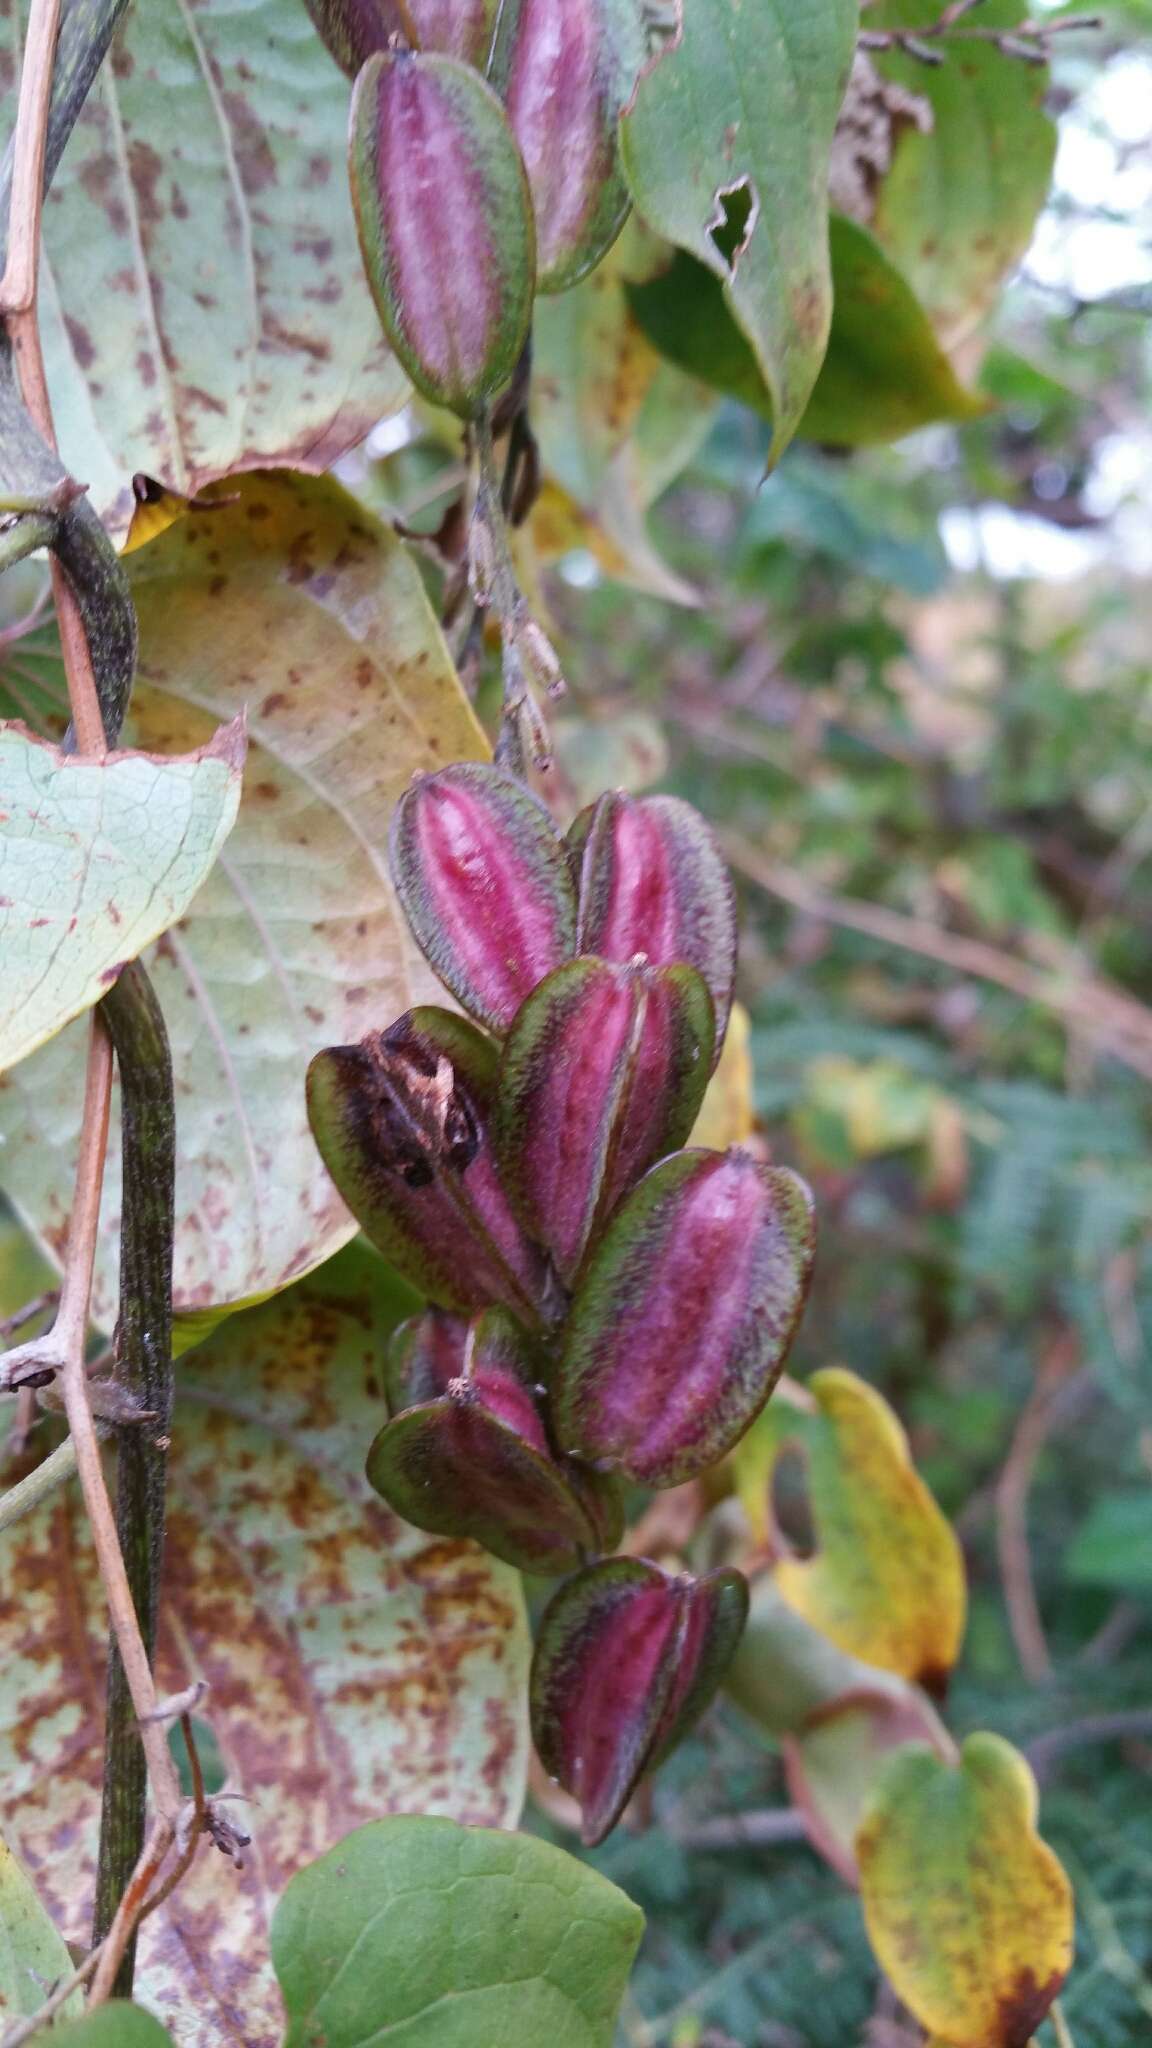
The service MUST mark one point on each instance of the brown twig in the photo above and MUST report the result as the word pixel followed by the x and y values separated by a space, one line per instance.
pixel 1057 1386
pixel 134 1903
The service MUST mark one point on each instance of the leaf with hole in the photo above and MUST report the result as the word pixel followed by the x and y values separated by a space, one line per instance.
pixel 97 858
pixel 203 305
pixel 291 600
pixel 445 1937
pixel 968 1910
pixel 356 1666
pixel 726 148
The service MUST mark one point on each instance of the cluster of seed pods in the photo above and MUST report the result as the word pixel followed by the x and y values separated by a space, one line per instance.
pixel 608 1304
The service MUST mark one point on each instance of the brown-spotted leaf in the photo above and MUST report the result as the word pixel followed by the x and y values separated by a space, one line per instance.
pixel 357 1667
pixel 292 601
pixel 968 1910
pixel 886 1580
pixel 203 305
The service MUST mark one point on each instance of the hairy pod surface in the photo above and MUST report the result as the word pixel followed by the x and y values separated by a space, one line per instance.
pixel 626 1660
pixel 684 1315
pixel 354 30
pixel 401 1122
pixel 566 69
pixel 445 221
pixel 602 1073
pixel 651 879
pixel 484 883
pixel 474 1460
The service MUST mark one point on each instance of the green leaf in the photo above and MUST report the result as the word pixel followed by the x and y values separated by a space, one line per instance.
pixel 958 205
pixel 357 1667
pixel 203 304
pixel 1113 1546
pixel 292 601
pixel 435 1936
pixel 969 1912
pixel 97 858
pixel 33 1956
pixel 726 148
pixel 884 373
pixel 115 2025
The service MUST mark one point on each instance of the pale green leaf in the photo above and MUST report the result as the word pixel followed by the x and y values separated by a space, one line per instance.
pixel 98 856
pixel 357 1666
pixel 115 2025
pixel 33 1958
pixel 727 148
pixel 433 1936
pixel 291 601
pixel 203 303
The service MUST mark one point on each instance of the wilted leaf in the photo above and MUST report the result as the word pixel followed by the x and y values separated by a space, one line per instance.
pixel 97 858
pixel 886 1581
pixel 884 373
pixel 357 1668
pixel 294 602
pixel 203 304
pixel 33 1958
pixel 727 1114
pixel 726 148
pixel 446 1937
pixel 968 1910
pixel 616 423
pixel 957 208
pixel 115 2025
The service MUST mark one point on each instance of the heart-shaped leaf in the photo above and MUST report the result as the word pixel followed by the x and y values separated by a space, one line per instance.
pixel 481 873
pixel 98 856
pixel 968 1910
pixel 684 1315
pixel 602 1073
pixel 294 602
pixel 445 220
pixel 356 1667
pixel 727 147
pixel 446 1937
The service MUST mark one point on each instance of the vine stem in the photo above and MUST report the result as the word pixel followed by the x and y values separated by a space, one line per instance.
pixel 19 304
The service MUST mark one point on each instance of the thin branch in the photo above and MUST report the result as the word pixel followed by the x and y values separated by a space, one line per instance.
pixel 133 1904
pixel 21 272
pixel 1131 1725
pixel 1054 1393
pixel 55 1471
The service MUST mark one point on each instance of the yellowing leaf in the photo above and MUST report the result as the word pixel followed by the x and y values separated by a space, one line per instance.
pixel 968 1910
pixel 357 1666
pixel 33 1956
pixel 98 856
pixel 886 1582
pixel 289 599
pixel 727 1114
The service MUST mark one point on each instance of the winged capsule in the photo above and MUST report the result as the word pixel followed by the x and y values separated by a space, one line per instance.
pixel 602 1073
pixel 566 69
pixel 474 1460
pixel 626 1660
pixel 354 30
pixel 444 216
pixel 651 879
pixel 483 881
pixel 683 1317
pixel 401 1122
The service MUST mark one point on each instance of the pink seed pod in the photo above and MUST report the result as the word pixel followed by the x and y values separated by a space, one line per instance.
pixel 626 1661
pixel 445 222
pixel 603 1072
pixel 474 1460
pixel 484 883
pixel 651 879
pixel 354 30
pixel 401 1122
pixel 684 1315
pixel 566 69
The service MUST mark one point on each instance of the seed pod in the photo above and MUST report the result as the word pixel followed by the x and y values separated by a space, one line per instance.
pixel 401 1124
pixel 603 1073
pixel 483 881
pixel 422 1356
pixel 475 1460
pixel 626 1661
pixel 354 30
pixel 445 222
pixel 651 879
pixel 566 69
pixel 683 1317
